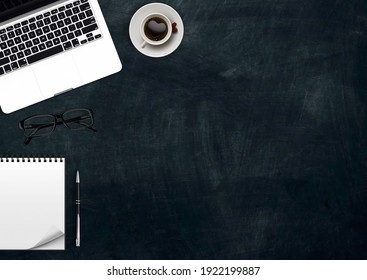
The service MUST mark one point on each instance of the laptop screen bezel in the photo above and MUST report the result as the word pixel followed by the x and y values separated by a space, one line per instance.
pixel 24 8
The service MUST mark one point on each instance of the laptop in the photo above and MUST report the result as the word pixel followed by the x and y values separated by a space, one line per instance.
pixel 50 47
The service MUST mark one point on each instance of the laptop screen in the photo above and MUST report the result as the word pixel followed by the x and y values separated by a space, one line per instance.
pixel 13 8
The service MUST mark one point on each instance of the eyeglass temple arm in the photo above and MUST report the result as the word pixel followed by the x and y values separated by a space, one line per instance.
pixel 87 126
pixel 28 139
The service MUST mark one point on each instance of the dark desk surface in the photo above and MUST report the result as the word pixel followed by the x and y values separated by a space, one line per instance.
pixel 248 142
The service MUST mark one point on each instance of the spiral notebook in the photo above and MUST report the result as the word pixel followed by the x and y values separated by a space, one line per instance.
pixel 32 203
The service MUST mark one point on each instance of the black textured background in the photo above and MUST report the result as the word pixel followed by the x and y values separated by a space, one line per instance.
pixel 248 142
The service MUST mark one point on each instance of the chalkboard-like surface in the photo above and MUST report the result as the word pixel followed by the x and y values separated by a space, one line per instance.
pixel 248 142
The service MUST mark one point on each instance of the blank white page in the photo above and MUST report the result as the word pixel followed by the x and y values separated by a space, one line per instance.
pixel 32 203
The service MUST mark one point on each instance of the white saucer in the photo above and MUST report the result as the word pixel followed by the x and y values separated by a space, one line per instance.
pixel 156 51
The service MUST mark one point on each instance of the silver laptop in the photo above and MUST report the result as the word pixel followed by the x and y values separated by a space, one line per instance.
pixel 50 47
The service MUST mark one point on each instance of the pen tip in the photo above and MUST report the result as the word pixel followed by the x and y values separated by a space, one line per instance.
pixel 77 176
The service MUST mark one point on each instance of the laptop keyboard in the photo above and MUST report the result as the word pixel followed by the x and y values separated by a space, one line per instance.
pixel 47 34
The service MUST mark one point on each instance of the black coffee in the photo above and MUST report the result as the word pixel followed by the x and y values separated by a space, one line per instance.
pixel 156 29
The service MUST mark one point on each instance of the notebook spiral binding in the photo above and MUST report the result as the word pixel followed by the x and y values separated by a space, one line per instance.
pixel 31 159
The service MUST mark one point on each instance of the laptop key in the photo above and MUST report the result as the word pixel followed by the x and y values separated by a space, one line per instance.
pixel 25 29
pixel 7 68
pixel 4 61
pixel 67 45
pixel 90 28
pixel 67 21
pixel 10 43
pixel 53 26
pixel 46 29
pixel 75 43
pixel 2 72
pixel 3 46
pixel 47 21
pixel 47 53
pixel 76 10
pixel 36 41
pixel 60 24
pixel 32 34
pixel 14 65
pixel 71 36
pixel 82 16
pixel 1 54
pixel 72 27
pixel 32 26
pixel 13 57
pixel 40 23
pixel 20 55
pixel 84 7
pixel 22 62
pixel 89 21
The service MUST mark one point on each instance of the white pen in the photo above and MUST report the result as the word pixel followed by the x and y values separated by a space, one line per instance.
pixel 77 203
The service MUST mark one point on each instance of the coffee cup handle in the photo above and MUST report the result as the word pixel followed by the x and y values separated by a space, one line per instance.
pixel 143 44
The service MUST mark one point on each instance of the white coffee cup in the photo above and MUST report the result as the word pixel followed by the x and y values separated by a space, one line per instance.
pixel 148 20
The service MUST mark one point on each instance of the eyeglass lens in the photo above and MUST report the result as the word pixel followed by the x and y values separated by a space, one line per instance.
pixel 39 125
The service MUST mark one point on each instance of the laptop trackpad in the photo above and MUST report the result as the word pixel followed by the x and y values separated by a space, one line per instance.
pixel 57 75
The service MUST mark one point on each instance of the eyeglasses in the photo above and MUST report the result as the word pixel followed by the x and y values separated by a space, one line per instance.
pixel 43 125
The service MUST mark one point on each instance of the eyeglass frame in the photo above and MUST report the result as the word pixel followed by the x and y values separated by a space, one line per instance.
pixel 58 120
